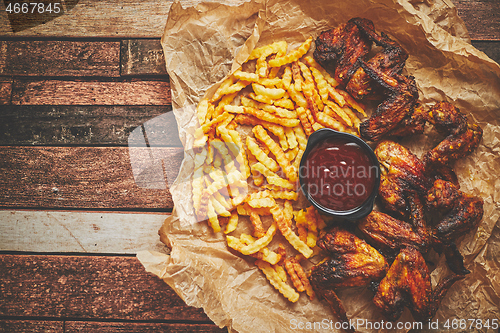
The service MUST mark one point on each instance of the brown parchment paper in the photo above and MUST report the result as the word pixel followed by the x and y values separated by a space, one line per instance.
pixel 205 43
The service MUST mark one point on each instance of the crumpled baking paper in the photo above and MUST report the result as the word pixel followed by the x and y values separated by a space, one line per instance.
pixel 204 44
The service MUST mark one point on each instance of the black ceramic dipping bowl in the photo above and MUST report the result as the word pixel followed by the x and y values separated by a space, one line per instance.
pixel 317 141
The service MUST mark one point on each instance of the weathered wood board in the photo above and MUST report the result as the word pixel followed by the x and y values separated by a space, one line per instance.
pixel 88 177
pixel 82 232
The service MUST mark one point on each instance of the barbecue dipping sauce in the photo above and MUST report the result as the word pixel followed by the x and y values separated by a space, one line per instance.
pixel 339 174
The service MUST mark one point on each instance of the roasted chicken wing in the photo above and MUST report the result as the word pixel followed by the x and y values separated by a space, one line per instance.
pixel 339 49
pixel 390 61
pixel 462 138
pixel 389 234
pixel 463 211
pixel 352 262
pixel 408 282
pixel 402 175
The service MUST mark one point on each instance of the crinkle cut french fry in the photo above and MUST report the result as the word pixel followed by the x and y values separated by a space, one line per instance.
pixel 233 223
pixel 290 154
pixel 287 232
pixel 330 122
pixel 258 229
pixel 261 134
pixel 266 116
pixel 321 83
pixel 298 81
pixel 286 78
pixel 260 243
pixel 273 93
pixel 261 203
pixel 267 255
pixel 277 282
pixel 301 137
pixel 297 283
pixel 254 148
pixel 352 103
pixel 267 50
pixel 222 88
pixel 202 110
pixel 302 280
pixel 271 177
pixel 336 111
pixel 304 120
pixel 293 55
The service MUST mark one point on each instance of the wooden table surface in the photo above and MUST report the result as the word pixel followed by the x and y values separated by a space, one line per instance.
pixel 75 94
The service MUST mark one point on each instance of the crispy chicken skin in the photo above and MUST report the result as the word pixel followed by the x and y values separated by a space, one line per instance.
pixel 408 282
pixel 389 61
pixel 463 211
pixel 390 234
pixel 339 49
pixel 402 174
pixel 462 138
pixel 400 103
pixel 352 261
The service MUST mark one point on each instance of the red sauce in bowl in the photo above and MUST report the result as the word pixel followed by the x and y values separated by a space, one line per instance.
pixel 339 174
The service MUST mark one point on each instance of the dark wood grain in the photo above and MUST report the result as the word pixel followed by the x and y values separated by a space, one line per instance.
pixel 490 48
pixel 60 58
pixel 142 57
pixel 31 326
pixel 88 177
pixel 87 287
pixel 82 125
pixel 110 327
pixel 5 90
pixel 481 17
pixel 90 92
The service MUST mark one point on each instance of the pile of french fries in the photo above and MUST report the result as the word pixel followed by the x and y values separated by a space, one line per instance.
pixel 252 135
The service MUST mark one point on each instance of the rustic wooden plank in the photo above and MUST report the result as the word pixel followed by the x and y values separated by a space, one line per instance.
pixel 142 57
pixel 131 327
pixel 85 232
pixel 481 17
pixel 139 19
pixel 88 177
pixel 87 287
pixel 5 90
pixel 31 326
pixel 490 48
pixel 83 125
pixel 61 92
pixel 60 58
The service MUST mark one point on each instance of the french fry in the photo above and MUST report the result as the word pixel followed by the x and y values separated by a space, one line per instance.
pixel 321 83
pixel 300 276
pixel 297 96
pixel 352 103
pixel 266 116
pixel 271 177
pixel 272 93
pixel 267 50
pixel 222 88
pixel 293 55
pixel 233 223
pixel 260 243
pixel 301 137
pixel 330 122
pixel 202 110
pixel 276 281
pixel 287 232
pixel 258 229
pixel 290 155
pixel 313 63
pixel 260 155
pixel 304 120
pixel 285 103
pixel 286 78
pixel 336 111
pixel 290 269
pixel 298 81
pixel 261 134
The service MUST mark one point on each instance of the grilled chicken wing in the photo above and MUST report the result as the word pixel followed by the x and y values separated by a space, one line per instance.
pixel 390 234
pixel 402 99
pixel 339 49
pixel 403 174
pixel 408 282
pixel 463 211
pixel 352 261
pixel 462 138
pixel 389 61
